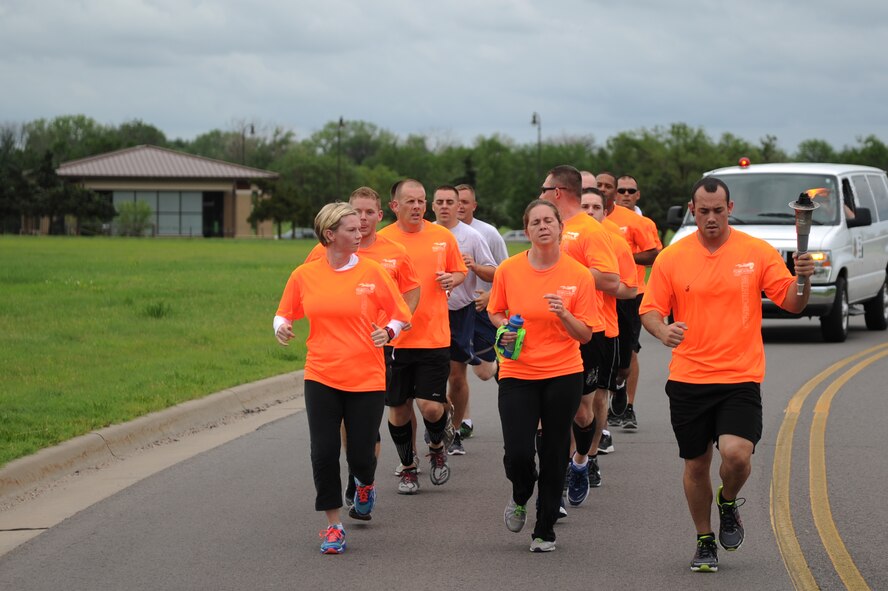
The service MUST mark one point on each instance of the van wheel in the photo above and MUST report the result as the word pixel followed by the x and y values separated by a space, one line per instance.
pixel 834 326
pixel 876 310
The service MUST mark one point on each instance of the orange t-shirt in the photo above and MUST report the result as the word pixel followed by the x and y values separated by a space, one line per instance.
pixel 391 255
pixel 623 252
pixel 432 249
pixel 641 234
pixel 718 296
pixel 548 351
pixel 340 306
pixel 626 264
pixel 584 239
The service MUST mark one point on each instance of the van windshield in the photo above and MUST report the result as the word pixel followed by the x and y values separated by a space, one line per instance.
pixel 763 199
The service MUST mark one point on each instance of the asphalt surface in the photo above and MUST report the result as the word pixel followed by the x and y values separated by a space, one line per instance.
pixel 236 510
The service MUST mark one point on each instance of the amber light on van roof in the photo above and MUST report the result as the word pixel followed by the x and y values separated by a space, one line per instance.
pixel 743 162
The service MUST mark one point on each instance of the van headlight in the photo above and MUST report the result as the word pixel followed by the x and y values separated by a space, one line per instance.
pixel 822 265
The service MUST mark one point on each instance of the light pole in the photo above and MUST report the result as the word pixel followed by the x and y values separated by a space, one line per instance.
pixel 339 158
pixel 244 141
pixel 537 120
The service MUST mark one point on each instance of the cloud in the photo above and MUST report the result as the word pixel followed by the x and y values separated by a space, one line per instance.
pixel 462 68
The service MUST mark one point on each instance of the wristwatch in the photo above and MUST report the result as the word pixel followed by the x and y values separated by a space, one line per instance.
pixel 390 332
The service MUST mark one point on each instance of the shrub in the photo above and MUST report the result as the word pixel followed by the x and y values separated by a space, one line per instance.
pixel 133 218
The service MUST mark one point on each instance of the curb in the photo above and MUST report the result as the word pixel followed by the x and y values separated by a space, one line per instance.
pixel 97 448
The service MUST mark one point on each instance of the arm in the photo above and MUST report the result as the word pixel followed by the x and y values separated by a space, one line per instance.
pixel 646 257
pixel 670 335
pixel 575 328
pixel 484 272
pixel 624 292
pixel 608 283
pixel 793 302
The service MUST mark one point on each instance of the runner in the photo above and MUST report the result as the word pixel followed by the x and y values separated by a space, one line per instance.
pixel 593 203
pixel 461 304
pixel 482 340
pixel 711 282
pixel 394 259
pixel 586 241
pixel 543 383
pixel 343 296
pixel 421 357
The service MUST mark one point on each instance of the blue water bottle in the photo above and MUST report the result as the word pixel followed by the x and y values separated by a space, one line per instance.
pixel 516 325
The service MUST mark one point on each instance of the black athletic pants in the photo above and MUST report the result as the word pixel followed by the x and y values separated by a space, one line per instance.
pixel 523 405
pixel 326 409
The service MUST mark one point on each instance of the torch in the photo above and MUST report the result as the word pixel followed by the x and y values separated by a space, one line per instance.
pixel 804 209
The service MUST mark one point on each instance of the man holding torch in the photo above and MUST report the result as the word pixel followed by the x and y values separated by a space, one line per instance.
pixel 711 282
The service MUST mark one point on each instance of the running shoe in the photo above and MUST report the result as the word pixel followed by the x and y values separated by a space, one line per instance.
pixel 629 420
pixel 730 529
pixel 706 556
pixel 606 443
pixel 515 516
pixel 333 540
pixel 409 484
pixel 456 448
pixel 350 492
pixel 619 400
pixel 466 430
pixel 439 472
pixel 594 472
pixel 364 500
pixel 578 484
pixel 541 545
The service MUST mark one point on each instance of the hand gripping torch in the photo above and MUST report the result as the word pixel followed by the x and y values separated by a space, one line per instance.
pixel 804 209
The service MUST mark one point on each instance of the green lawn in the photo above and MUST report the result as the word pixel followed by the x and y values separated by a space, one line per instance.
pixel 95 331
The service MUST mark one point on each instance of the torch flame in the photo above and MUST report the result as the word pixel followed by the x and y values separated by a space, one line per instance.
pixel 818 192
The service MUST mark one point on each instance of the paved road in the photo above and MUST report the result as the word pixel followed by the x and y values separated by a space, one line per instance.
pixel 239 516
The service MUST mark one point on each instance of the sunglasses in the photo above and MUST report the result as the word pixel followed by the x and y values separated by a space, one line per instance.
pixel 544 188
pixel 624 190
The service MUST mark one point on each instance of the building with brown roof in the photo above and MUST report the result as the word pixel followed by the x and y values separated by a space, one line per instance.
pixel 188 195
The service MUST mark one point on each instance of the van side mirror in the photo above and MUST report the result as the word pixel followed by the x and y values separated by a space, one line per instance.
pixel 862 217
pixel 674 216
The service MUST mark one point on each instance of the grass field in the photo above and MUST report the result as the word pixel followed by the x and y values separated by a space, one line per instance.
pixel 95 331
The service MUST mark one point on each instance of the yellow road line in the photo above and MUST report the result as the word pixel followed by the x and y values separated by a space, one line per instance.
pixel 781 515
pixel 820 507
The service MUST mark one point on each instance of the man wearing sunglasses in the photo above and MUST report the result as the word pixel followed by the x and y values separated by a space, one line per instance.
pixel 628 193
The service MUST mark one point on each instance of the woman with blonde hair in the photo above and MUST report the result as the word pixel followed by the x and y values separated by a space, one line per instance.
pixel 343 297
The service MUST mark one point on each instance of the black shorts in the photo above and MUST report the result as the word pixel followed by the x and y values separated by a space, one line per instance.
pixel 599 363
pixel 632 320
pixel 462 329
pixel 701 413
pixel 485 335
pixel 418 373
pixel 625 339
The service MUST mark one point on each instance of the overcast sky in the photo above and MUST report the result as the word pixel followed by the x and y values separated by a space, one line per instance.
pixel 454 69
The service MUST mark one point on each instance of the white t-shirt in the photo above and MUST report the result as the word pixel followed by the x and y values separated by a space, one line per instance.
pixel 470 242
pixel 495 243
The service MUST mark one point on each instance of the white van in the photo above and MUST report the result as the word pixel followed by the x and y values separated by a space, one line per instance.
pixel 849 234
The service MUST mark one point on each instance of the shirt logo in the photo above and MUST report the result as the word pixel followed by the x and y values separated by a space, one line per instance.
pixel 744 269
pixel 390 264
pixel 365 289
pixel 568 235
